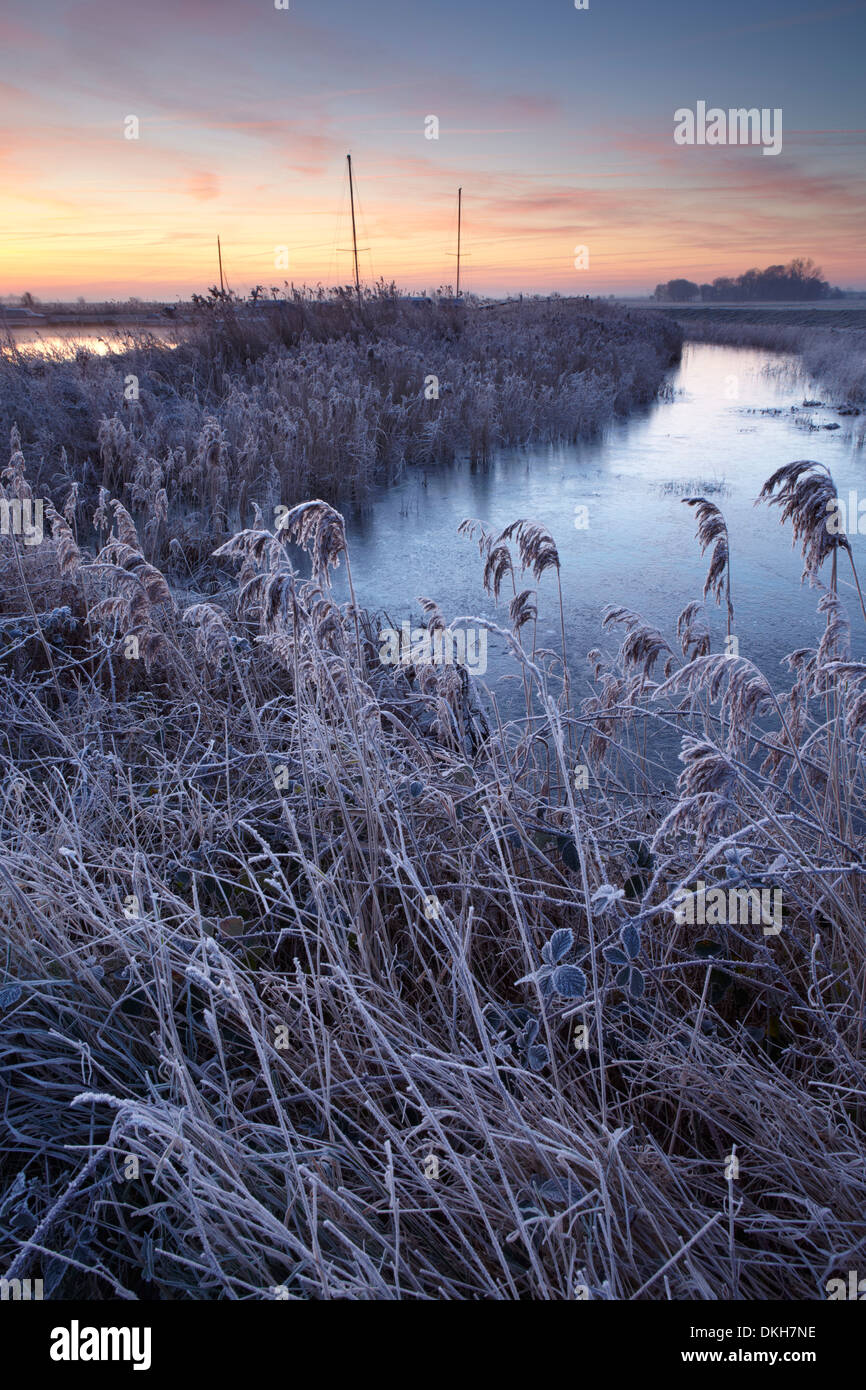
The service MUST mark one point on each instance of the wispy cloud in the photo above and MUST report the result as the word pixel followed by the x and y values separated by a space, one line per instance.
pixel 559 131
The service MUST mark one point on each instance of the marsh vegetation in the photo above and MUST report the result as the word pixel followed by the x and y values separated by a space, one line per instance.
pixel 320 976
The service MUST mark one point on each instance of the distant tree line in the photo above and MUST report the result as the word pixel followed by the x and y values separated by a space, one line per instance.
pixel 799 279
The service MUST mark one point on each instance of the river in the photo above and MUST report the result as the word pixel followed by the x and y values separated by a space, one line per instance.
pixel 730 416
pixel 64 340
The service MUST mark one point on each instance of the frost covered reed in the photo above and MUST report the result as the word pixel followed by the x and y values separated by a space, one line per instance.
pixel 319 981
pixel 272 404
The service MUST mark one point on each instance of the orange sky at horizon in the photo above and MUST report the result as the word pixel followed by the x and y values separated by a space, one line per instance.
pixel 245 119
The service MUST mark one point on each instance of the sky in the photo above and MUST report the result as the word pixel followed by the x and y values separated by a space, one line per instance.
pixel 557 122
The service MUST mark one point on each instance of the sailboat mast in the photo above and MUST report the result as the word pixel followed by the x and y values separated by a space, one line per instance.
pixel 220 255
pixel 459 219
pixel 354 233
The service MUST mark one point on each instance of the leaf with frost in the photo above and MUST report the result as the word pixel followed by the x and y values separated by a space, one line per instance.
pixel 530 1032
pixel 563 1192
pixel 570 856
pixel 569 981
pixel 631 979
pixel 614 956
pixel 558 946
pixel 630 938
pixel 605 896
pixel 10 995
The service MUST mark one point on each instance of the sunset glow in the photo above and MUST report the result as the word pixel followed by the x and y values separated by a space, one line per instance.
pixel 558 124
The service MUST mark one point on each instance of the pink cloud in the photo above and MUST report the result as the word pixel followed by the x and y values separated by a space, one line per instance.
pixel 203 186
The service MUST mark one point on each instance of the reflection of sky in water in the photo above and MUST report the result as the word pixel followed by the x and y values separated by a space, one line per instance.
pixel 639 549
pixel 64 341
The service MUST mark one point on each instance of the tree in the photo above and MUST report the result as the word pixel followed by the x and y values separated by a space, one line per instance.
pixel 724 288
pixel 799 279
pixel 681 291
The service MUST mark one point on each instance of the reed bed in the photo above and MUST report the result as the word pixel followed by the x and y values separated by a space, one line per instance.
pixel 319 396
pixel 322 982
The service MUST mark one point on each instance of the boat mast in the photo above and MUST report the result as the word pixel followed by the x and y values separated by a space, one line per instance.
pixel 459 217
pixel 220 255
pixel 354 233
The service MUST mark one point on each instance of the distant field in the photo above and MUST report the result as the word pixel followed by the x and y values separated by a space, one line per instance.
pixel 829 315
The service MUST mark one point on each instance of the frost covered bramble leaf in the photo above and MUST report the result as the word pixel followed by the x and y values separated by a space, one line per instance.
pixel 605 897
pixel 558 946
pixel 569 981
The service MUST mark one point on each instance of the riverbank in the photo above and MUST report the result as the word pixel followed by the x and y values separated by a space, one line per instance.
pixel 825 316
pixel 834 357
pixel 830 339
pixel 324 397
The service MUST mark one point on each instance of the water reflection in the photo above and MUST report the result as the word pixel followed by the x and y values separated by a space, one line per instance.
pixel 732 417
pixel 65 341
